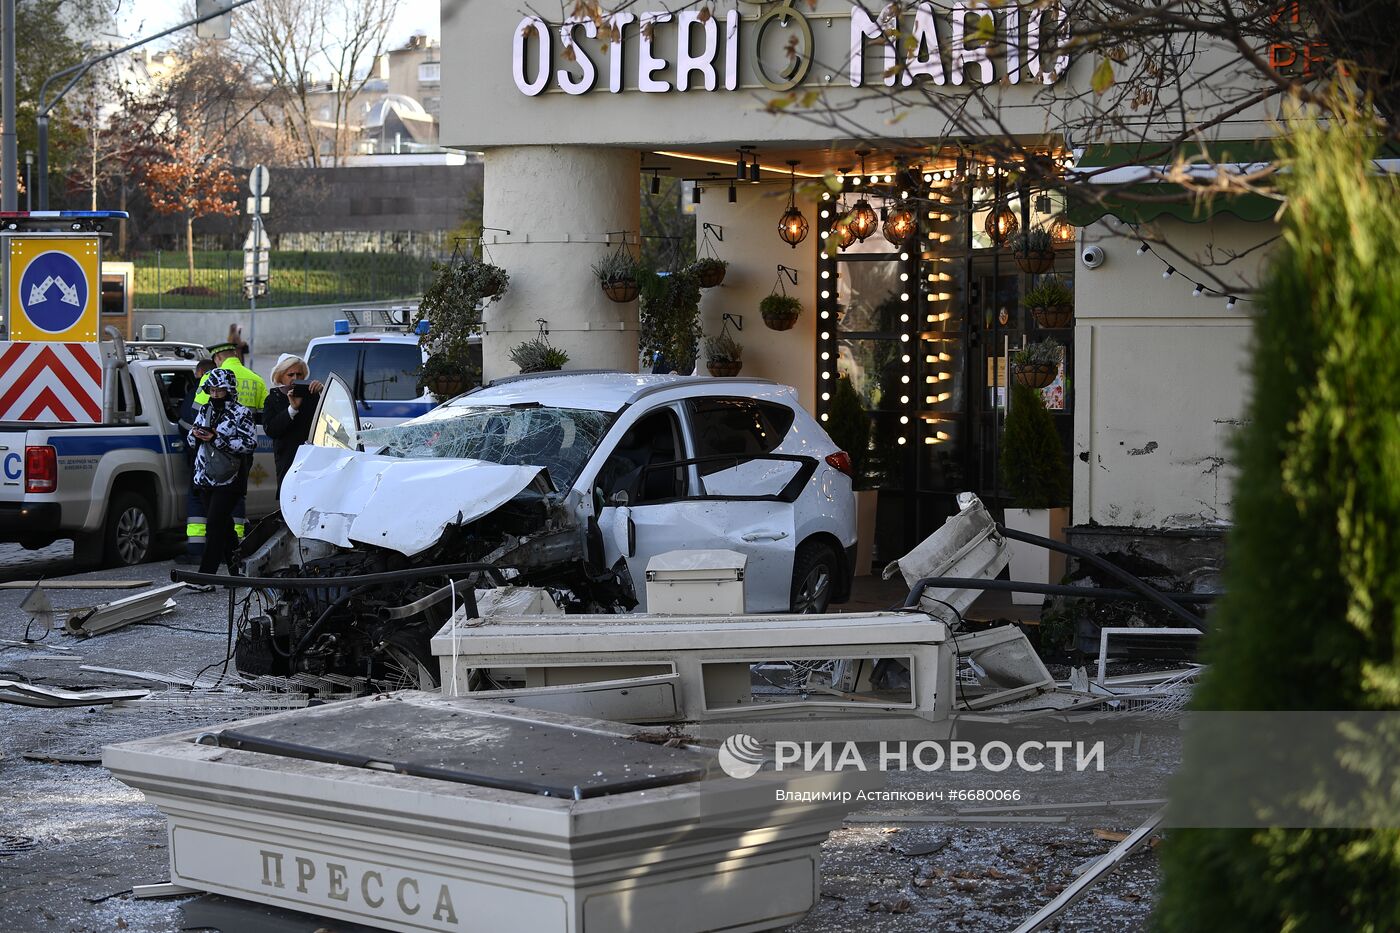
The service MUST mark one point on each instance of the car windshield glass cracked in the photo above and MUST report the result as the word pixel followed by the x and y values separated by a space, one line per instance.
pixel 559 439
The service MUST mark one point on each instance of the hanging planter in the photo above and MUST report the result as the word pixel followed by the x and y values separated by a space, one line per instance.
pixel 723 354
pixel 1051 304
pixel 709 271
pixel 1036 365
pixel 780 312
pixel 617 274
pixel 1034 251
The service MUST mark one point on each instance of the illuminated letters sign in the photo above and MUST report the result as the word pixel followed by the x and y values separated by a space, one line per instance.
pixel 697 50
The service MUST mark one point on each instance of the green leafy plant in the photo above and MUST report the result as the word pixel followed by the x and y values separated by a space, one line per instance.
pixel 1049 292
pixel 452 307
pixel 1032 241
pixel 848 424
pixel 723 348
pixel 780 311
pixel 1033 468
pixel 615 268
pixel 538 355
pixel 1044 352
pixel 670 316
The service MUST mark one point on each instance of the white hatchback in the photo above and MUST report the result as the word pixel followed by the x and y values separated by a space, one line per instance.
pixel 637 465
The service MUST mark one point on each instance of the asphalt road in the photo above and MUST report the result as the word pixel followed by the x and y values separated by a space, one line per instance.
pixel 74 840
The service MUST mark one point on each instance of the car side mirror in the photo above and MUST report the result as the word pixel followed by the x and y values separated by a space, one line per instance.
pixel 619 498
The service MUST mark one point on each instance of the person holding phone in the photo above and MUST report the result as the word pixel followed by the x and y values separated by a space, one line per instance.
pixel 288 411
pixel 224 438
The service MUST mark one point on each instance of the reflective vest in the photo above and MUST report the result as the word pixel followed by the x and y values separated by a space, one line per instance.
pixel 252 391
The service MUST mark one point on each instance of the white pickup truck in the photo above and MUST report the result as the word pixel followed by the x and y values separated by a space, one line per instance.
pixel 115 487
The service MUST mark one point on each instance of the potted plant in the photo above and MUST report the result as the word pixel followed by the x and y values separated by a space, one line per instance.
pixel 538 355
pixel 723 355
pixel 709 271
pixel 669 315
pixel 449 316
pixel 1051 303
pixel 848 424
pixel 617 273
pixel 780 311
pixel 1037 364
pixel 1034 472
pixel 1034 250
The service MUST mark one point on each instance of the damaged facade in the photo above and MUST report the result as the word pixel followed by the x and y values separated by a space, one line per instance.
pixel 922 330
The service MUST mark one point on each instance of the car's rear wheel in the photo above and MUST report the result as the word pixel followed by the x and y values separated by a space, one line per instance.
pixel 814 575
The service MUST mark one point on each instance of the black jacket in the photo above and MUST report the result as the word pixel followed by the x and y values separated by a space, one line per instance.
pixel 289 428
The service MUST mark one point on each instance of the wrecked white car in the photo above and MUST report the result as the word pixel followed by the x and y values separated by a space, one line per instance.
pixel 571 481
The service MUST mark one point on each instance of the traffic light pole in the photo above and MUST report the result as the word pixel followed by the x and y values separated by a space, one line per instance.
pixel 45 107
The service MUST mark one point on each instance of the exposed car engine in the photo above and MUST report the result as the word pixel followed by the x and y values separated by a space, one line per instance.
pixel 380 629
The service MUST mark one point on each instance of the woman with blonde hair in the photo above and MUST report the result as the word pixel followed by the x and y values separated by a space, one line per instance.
pixel 287 411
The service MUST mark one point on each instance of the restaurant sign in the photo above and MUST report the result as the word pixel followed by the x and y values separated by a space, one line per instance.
pixel 904 44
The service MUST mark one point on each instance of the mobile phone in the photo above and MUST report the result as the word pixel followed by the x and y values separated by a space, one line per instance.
pixel 301 389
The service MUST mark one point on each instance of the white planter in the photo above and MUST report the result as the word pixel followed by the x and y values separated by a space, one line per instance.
pixel 1032 564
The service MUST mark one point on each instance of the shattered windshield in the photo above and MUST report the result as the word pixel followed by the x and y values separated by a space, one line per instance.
pixel 560 439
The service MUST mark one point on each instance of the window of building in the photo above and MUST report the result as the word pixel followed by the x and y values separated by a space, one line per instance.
pixel 430 72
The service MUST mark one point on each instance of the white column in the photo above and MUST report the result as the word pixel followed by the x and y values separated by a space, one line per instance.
pixel 559 202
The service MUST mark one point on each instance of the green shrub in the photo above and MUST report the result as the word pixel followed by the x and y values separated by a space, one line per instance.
pixel 848 423
pixel 780 306
pixel 670 316
pixel 1311 618
pixel 1033 467
pixel 452 307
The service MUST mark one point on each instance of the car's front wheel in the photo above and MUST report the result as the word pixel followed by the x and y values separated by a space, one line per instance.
pixel 814 575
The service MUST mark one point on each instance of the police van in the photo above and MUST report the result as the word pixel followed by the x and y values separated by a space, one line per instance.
pixel 375 351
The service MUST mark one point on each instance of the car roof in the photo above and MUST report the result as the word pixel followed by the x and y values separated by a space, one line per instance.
pixel 365 337
pixel 607 391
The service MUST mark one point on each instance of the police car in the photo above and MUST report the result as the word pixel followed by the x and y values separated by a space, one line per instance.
pixel 375 351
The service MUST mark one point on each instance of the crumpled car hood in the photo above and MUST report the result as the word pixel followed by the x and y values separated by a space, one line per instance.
pixel 344 496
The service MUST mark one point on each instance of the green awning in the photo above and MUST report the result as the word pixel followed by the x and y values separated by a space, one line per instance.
pixel 1117 169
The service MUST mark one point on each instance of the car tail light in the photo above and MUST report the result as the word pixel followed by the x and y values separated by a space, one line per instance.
pixel 842 461
pixel 40 469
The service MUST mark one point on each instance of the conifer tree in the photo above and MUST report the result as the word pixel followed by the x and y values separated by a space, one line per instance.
pixel 1311 619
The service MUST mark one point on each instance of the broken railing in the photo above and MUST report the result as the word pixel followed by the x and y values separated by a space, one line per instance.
pixel 1138 588
pixel 351 586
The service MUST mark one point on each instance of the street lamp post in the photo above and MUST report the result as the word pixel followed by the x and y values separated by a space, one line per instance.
pixel 29 179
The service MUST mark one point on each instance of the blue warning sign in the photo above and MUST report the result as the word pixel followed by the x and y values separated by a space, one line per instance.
pixel 54 291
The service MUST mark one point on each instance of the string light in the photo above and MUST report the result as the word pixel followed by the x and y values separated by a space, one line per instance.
pixel 1197 289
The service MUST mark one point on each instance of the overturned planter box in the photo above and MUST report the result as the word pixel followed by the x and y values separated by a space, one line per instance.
pixel 416 812
pixel 850 676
